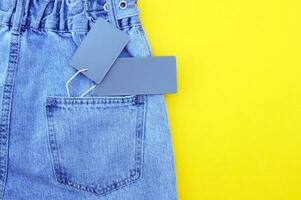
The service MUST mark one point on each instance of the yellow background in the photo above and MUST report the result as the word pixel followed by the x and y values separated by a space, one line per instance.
pixel 235 122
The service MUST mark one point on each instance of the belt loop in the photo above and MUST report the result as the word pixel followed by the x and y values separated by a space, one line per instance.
pixel 112 12
pixel 87 8
pixel 26 12
pixel 17 23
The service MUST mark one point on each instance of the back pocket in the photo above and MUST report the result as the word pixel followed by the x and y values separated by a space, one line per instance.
pixel 96 143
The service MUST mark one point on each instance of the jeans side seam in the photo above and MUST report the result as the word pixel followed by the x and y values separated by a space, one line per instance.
pixel 6 109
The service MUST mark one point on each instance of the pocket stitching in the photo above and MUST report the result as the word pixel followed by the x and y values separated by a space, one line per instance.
pixel 65 101
pixel 52 143
pixel 134 174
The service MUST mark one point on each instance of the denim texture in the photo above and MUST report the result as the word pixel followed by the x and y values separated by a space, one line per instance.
pixel 57 147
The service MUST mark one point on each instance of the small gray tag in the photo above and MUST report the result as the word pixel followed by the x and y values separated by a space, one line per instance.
pixel 99 49
pixel 140 75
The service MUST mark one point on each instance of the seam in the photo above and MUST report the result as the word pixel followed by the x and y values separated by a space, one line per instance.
pixel 128 14
pixel 56 101
pixel 143 132
pixel 130 26
pixel 6 109
pixel 143 35
pixel 139 138
pixel 53 145
pixel 95 106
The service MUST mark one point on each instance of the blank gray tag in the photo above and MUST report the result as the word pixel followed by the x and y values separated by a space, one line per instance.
pixel 140 75
pixel 99 49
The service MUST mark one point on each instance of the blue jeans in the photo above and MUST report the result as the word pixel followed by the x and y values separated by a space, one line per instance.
pixel 57 147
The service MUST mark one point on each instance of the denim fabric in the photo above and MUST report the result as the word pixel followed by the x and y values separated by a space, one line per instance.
pixel 71 148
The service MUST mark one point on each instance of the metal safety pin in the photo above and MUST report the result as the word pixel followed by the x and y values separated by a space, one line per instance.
pixel 72 77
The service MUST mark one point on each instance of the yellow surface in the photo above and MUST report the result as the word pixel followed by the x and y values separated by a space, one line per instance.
pixel 236 121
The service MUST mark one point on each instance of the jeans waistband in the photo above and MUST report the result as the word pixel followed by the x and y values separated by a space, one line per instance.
pixel 63 15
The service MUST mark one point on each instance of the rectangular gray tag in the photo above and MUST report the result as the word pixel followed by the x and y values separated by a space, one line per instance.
pixel 140 75
pixel 99 49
